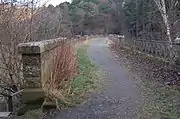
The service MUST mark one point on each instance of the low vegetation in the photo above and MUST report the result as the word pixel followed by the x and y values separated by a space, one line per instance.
pixel 160 101
pixel 63 70
pixel 88 76
pixel 31 114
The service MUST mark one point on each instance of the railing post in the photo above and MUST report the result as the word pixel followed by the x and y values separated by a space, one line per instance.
pixel 10 104
pixel 177 53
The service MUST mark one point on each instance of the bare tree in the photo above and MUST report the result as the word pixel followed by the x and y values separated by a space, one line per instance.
pixel 24 21
pixel 16 26
pixel 162 8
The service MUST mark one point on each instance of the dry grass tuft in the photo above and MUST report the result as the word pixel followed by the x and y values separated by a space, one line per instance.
pixel 63 71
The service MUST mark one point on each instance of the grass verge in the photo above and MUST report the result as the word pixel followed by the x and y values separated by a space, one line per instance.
pixel 160 101
pixel 87 79
pixel 31 114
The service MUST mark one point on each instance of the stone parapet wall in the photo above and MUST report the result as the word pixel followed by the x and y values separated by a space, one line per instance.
pixel 37 59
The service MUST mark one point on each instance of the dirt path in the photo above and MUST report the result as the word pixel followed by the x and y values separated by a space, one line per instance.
pixel 119 97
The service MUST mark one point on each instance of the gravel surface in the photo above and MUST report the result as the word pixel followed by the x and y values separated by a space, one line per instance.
pixel 119 97
pixel 159 82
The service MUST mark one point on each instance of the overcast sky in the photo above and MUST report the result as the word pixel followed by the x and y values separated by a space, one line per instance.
pixel 56 2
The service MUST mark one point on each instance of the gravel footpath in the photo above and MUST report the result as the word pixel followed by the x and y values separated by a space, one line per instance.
pixel 159 82
pixel 119 97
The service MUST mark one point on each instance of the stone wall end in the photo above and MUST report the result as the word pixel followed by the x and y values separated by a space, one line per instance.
pixel 38 47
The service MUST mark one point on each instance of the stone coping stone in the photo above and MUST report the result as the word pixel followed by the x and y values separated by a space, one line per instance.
pixel 39 47
pixel 4 115
pixel 31 95
pixel 49 105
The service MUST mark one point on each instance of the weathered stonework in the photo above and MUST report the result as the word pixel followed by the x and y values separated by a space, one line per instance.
pixel 32 70
pixel 37 59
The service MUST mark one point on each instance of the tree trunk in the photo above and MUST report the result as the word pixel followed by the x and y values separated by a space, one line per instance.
pixel 166 21
pixel 162 8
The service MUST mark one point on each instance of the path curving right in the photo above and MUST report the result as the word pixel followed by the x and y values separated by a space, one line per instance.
pixel 119 97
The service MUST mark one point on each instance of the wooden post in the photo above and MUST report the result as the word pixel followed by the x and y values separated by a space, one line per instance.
pixel 10 104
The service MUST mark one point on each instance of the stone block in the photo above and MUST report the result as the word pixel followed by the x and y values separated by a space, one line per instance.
pixel 38 47
pixel 33 82
pixel 5 115
pixel 49 105
pixel 31 95
pixel 31 60
pixel 37 58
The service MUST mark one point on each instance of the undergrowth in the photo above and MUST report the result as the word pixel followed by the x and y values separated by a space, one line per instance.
pixel 160 101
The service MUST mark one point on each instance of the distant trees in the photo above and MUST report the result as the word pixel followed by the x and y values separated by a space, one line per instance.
pixel 94 16
pixel 152 19
pixel 142 19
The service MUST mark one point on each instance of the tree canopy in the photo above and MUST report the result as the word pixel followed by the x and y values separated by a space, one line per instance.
pixel 142 19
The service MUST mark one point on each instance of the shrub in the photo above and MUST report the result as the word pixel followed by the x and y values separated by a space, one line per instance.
pixel 63 71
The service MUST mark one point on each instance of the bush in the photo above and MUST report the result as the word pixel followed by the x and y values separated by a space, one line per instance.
pixel 63 71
